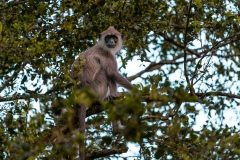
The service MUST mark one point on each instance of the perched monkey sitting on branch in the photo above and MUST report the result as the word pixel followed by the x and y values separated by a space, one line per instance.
pixel 100 72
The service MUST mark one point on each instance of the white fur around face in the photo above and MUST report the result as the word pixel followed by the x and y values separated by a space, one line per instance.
pixel 101 43
pixel 110 31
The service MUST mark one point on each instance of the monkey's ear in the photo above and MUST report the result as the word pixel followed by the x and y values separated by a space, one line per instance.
pixel 122 36
pixel 99 36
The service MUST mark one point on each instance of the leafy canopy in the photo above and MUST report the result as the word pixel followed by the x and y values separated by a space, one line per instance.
pixel 188 54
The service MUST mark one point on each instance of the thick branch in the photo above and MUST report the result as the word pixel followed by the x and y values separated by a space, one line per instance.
pixel 96 108
pixel 185 52
pixel 107 152
pixel 14 97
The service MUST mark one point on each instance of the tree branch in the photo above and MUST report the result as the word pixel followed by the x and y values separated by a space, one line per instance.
pixel 157 117
pixel 152 66
pixel 229 95
pixel 94 5
pixel 221 43
pixel 197 68
pixel 14 75
pixel 178 44
pixel 227 56
pixel 185 51
pixel 14 97
pixel 107 152
pixel 13 4
pixel 96 108
pixel 23 97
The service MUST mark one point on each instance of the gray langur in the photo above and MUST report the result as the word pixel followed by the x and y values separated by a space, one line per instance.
pixel 100 71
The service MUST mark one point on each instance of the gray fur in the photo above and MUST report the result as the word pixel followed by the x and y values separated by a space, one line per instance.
pixel 100 70
pixel 100 73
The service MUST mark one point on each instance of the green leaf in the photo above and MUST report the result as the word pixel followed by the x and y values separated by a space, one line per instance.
pixel 198 3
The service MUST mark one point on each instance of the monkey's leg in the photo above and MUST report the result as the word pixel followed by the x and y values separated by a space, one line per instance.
pixel 82 126
pixel 117 126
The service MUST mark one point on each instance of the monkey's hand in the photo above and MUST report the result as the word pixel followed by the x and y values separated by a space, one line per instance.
pixel 114 96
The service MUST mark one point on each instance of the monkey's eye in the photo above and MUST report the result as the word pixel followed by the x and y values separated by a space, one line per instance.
pixel 115 39
pixel 111 38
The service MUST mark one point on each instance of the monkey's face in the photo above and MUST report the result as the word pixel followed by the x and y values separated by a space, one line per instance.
pixel 111 41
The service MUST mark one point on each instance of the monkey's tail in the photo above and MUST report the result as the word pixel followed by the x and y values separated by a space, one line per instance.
pixel 82 126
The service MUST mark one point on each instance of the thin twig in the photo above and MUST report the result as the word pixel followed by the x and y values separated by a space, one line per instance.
pixel 157 117
pixel 152 66
pixel 204 71
pixel 229 95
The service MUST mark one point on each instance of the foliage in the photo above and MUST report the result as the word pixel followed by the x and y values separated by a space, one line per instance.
pixel 189 55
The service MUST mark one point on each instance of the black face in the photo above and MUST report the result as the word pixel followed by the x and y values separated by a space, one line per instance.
pixel 111 41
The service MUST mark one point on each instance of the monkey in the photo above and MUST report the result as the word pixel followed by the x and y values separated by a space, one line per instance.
pixel 100 72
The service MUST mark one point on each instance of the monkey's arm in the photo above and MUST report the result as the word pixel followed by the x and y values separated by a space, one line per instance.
pixel 113 74
pixel 122 81
pixel 113 89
